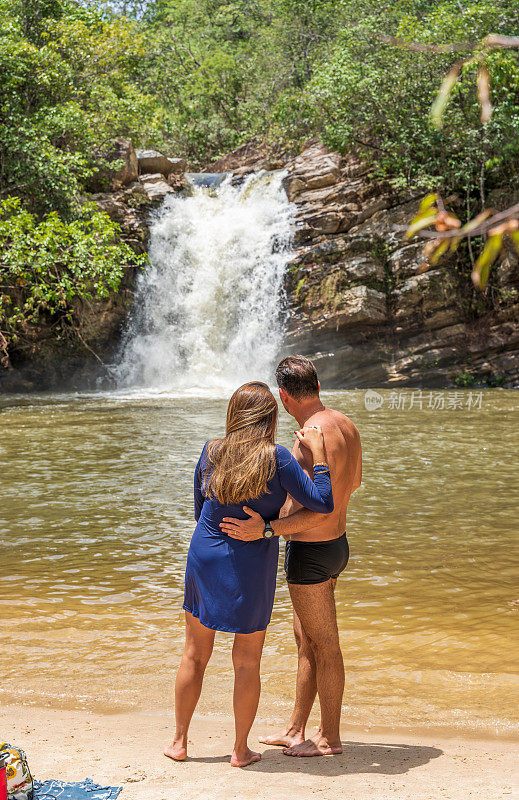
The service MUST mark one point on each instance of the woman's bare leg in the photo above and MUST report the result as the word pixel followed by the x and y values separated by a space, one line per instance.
pixel 246 657
pixel 188 685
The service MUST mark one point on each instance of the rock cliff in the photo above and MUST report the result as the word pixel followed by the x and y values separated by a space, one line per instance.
pixel 358 304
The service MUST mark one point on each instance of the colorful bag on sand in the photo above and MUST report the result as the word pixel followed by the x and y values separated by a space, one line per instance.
pixel 19 778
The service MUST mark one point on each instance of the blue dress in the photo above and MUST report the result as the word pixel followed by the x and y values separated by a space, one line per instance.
pixel 230 584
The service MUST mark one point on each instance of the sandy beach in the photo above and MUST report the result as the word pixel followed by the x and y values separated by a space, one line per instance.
pixel 126 750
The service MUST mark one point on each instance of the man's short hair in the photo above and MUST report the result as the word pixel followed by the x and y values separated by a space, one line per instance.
pixel 298 377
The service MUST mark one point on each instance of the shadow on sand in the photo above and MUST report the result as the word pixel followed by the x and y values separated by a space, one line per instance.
pixel 357 757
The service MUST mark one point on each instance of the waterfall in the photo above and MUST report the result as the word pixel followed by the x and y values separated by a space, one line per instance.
pixel 208 314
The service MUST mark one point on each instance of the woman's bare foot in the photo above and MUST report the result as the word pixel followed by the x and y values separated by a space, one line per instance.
pixel 318 745
pixel 242 758
pixel 288 738
pixel 177 750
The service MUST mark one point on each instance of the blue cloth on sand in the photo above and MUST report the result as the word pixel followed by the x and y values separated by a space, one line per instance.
pixel 230 584
pixel 82 790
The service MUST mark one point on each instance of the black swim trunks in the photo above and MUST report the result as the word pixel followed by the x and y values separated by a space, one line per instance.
pixel 315 562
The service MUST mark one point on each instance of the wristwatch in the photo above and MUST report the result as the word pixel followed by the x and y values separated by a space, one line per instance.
pixel 268 531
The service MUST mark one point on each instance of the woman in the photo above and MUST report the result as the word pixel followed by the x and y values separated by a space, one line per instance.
pixel 230 584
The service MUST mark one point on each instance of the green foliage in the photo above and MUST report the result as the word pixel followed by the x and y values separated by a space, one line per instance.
pixel 464 379
pixel 220 66
pixel 67 89
pixel 50 266
pixel 227 71
pixel 200 77
pixel 197 78
pixel 377 98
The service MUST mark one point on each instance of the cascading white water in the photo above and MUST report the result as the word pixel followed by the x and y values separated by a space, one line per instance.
pixel 207 313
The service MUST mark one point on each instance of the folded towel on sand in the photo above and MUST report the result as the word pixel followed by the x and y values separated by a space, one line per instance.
pixel 83 790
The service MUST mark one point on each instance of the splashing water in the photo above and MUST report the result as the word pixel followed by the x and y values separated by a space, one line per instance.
pixel 208 311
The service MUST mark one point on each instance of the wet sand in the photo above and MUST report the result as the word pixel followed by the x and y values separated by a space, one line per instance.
pixel 126 750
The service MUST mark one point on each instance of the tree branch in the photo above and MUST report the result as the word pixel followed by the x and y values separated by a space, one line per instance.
pixel 492 40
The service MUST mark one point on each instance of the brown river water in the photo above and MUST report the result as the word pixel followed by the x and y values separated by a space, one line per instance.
pixel 96 517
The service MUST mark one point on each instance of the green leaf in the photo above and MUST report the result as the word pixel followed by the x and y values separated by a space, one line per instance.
pixel 443 96
pixel 486 258
pixel 419 222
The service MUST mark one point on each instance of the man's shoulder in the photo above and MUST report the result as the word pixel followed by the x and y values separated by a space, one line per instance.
pixel 330 418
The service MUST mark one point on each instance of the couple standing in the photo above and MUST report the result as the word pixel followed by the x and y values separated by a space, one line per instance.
pixel 249 491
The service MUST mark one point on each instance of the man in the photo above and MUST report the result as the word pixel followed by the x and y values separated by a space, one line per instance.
pixel 316 553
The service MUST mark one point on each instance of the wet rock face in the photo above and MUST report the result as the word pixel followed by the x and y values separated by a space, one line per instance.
pixel 249 157
pixel 155 186
pixel 360 304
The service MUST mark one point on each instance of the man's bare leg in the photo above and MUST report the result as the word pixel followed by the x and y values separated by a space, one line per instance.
pixel 306 690
pixel 315 607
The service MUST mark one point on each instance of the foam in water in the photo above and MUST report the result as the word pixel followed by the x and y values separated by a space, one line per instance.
pixel 208 311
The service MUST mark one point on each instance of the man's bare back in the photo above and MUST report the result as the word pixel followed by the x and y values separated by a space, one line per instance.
pixel 344 456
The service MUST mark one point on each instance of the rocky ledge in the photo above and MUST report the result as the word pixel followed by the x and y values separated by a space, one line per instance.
pixel 357 301
pixel 359 304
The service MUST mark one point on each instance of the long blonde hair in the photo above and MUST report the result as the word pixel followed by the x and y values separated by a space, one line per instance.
pixel 239 466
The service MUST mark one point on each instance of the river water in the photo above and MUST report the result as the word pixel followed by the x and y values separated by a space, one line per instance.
pixel 96 517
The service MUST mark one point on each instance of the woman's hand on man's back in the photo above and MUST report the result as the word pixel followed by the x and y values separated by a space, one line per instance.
pixel 311 436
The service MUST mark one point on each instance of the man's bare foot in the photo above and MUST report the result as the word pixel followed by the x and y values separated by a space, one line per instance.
pixel 318 745
pixel 245 757
pixel 288 738
pixel 177 750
